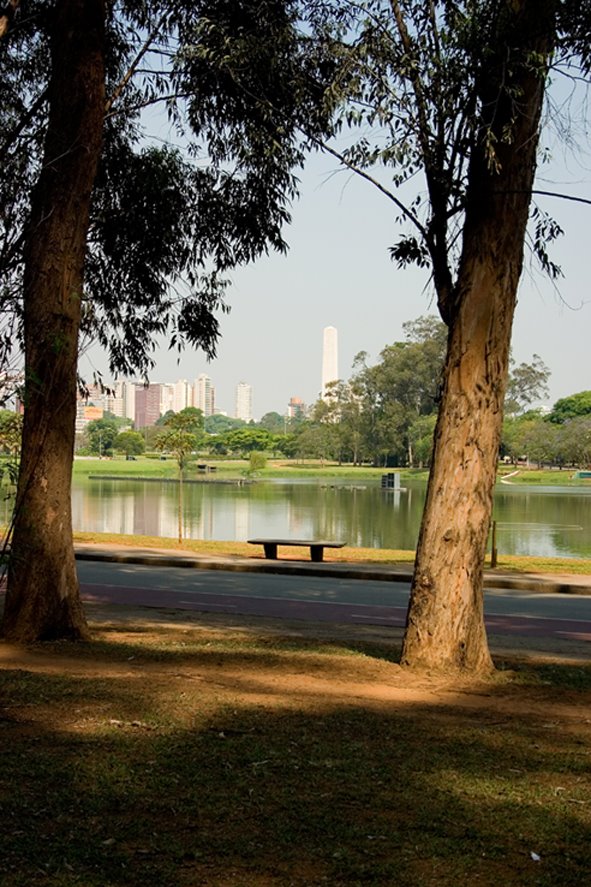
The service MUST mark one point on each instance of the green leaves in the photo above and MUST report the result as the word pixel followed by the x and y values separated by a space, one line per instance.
pixel 182 435
pixel 410 251
pixel 238 82
pixel 546 231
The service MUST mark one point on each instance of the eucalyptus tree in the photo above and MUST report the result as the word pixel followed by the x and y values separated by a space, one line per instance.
pixel 274 422
pixel 409 374
pixel 110 235
pixel 527 383
pixel 386 399
pixel 454 91
pixel 11 430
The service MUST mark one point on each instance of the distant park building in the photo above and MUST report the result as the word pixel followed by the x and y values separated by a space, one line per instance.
pixel 243 402
pixel 204 395
pixel 330 358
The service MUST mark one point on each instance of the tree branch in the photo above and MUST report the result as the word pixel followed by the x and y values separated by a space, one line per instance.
pixel 563 196
pixel 22 123
pixel 154 101
pixel 134 65
pixel 364 175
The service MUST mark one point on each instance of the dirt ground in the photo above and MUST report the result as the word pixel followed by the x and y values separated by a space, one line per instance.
pixel 374 680
pixel 275 705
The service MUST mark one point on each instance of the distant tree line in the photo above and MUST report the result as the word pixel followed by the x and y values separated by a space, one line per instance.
pixel 561 438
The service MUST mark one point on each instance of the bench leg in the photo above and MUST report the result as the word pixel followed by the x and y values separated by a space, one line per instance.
pixel 316 553
pixel 270 550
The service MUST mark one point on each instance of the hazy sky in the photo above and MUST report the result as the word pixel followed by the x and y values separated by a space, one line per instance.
pixel 338 272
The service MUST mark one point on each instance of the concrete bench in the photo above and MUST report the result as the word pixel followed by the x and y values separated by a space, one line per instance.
pixel 316 546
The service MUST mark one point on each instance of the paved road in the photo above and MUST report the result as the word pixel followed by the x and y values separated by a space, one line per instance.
pixel 317 598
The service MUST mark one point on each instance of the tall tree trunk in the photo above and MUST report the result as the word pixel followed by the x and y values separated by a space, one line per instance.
pixel 445 623
pixel 42 599
pixel 180 512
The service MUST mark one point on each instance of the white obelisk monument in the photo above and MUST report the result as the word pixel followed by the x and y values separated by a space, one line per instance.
pixel 330 358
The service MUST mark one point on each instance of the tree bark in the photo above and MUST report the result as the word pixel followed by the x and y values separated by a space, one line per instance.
pixel 42 599
pixel 445 622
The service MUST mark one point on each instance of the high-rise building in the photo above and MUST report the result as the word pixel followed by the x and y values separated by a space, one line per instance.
pixel 243 401
pixel 147 405
pixel 128 397
pixel 204 395
pixel 113 400
pixel 330 358
pixel 166 398
pixel 181 397
pixel 296 408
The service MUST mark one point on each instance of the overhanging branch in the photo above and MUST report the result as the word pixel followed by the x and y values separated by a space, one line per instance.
pixel 563 196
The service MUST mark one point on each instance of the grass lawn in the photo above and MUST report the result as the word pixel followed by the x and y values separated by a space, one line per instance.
pixel 189 752
pixel 284 468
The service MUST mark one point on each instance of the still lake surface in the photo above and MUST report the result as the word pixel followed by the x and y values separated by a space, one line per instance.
pixel 541 521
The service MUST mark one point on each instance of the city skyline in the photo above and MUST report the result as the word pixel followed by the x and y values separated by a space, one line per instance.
pixel 144 404
pixel 338 272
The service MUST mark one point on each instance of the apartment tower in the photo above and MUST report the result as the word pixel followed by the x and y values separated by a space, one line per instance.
pixel 243 402
pixel 204 395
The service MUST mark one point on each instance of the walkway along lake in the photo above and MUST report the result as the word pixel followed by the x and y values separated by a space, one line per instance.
pixel 541 521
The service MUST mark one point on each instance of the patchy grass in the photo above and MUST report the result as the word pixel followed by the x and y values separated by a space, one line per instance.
pixel 193 753
pixel 347 554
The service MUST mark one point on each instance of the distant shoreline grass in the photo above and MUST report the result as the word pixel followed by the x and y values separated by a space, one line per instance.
pixel 282 468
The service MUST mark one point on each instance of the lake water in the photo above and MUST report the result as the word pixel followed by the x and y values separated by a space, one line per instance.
pixel 542 521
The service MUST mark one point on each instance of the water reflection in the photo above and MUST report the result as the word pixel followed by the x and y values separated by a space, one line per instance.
pixel 542 522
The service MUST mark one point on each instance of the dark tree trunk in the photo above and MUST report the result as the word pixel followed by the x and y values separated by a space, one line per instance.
pixel 445 624
pixel 42 599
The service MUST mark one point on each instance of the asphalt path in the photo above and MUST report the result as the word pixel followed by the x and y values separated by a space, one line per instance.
pixel 317 598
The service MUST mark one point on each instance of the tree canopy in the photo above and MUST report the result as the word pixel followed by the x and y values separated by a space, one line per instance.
pixel 570 407
pixel 111 233
pixel 101 435
pixel 131 443
pixel 166 222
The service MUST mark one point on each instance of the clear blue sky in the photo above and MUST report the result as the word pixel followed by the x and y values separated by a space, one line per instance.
pixel 338 272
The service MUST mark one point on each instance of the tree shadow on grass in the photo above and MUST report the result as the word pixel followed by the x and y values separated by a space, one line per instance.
pixel 119 792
